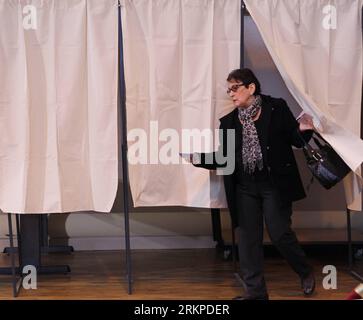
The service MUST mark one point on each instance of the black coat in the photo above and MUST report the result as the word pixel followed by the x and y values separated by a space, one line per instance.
pixel 279 134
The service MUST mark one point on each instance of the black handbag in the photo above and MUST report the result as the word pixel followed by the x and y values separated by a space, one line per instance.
pixel 324 163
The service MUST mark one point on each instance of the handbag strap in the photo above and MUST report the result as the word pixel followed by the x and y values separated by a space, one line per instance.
pixel 305 144
pixel 309 151
pixel 316 137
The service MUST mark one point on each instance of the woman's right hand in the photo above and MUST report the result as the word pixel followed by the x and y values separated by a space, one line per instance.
pixel 306 122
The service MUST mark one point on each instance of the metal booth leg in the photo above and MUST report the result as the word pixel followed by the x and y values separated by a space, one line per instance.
pixel 14 270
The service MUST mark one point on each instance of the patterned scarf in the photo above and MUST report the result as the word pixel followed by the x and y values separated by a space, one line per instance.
pixel 251 149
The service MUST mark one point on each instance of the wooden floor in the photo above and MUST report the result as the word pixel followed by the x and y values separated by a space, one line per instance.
pixel 171 274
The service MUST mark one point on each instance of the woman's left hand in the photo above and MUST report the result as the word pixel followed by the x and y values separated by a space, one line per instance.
pixel 306 122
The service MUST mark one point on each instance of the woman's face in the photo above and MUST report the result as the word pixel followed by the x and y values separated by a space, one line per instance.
pixel 242 96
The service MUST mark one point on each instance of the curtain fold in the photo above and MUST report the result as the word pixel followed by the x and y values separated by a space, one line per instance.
pixel 177 56
pixel 58 106
pixel 317 48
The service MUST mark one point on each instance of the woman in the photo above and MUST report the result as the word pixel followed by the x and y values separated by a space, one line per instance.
pixel 265 180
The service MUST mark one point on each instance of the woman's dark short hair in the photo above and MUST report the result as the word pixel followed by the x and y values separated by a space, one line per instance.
pixel 246 76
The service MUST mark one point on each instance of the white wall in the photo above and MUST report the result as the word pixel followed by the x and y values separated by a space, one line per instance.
pixel 164 230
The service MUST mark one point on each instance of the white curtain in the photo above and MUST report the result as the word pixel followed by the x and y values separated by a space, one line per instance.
pixel 177 55
pixel 58 105
pixel 317 48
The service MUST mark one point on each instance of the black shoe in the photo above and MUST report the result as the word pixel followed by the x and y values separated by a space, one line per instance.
pixel 308 284
pixel 250 298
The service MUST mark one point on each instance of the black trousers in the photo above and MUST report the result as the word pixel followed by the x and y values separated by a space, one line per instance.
pixel 257 200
